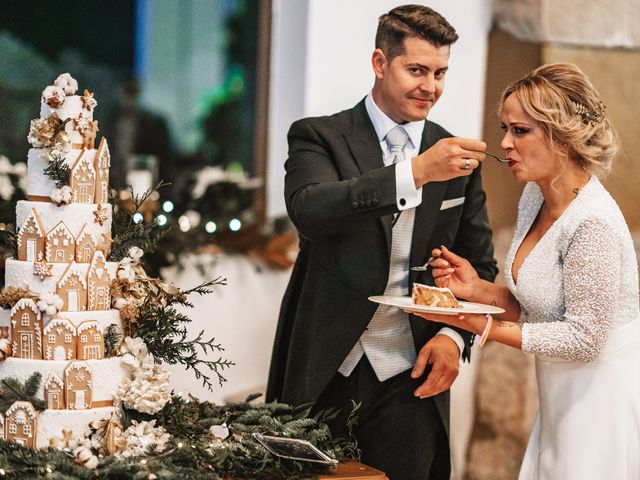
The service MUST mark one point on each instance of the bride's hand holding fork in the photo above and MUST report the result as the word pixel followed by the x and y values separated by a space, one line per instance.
pixel 454 272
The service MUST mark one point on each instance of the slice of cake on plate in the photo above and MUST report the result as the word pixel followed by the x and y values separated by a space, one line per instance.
pixel 433 296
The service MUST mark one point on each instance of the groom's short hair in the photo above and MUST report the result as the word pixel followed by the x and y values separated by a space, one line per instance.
pixel 408 21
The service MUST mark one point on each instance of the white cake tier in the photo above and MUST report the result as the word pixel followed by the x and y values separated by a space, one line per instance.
pixel 103 317
pixel 106 374
pixel 70 108
pixel 52 422
pixel 39 184
pixel 20 274
pixel 74 216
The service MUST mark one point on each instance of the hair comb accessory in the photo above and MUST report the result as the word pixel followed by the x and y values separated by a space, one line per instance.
pixel 590 116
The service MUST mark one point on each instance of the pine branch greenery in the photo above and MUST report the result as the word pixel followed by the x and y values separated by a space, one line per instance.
pixel 164 331
pixel 112 339
pixel 194 454
pixel 58 171
pixel 126 233
pixel 11 239
pixel 13 390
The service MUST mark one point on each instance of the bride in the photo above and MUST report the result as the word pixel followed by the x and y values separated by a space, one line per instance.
pixel 572 282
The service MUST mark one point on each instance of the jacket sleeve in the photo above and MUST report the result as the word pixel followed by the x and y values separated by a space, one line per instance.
pixel 325 192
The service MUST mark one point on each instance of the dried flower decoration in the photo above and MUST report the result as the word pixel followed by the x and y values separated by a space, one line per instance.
pixel 141 438
pixel 53 96
pixel 48 132
pixel 588 116
pixel 67 83
pixel 10 296
pixel 88 102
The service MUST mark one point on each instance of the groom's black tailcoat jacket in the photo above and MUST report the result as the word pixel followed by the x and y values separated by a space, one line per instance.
pixel 342 198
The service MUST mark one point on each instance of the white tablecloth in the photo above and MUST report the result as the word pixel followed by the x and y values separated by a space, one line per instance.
pixel 242 316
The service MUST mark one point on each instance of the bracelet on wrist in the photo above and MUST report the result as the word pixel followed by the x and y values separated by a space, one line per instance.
pixel 485 332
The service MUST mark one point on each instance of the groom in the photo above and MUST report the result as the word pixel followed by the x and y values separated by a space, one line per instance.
pixel 372 190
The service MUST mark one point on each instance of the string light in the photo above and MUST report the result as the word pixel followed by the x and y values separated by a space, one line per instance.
pixel 235 225
pixel 210 227
pixel 137 217
pixel 167 206
pixel 161 220
pixel 184 223
pixel 180 444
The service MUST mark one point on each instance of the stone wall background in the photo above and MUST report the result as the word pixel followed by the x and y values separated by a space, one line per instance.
pixel 603 39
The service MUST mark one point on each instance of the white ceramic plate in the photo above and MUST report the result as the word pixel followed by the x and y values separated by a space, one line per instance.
pixel 407 302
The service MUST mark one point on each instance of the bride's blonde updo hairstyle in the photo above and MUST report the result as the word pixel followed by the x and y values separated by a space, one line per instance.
pixel 562 99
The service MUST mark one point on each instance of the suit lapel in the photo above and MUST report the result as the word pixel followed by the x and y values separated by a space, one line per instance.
pixel 365 148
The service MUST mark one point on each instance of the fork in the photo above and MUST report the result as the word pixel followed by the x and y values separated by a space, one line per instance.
pixel 423 268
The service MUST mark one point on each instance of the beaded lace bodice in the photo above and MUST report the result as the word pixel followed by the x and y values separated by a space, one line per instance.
pixel 580 281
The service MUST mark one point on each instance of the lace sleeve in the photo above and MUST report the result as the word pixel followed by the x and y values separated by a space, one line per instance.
pixel 591 276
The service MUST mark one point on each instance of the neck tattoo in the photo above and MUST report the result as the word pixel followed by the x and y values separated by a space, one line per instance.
pixel 576 191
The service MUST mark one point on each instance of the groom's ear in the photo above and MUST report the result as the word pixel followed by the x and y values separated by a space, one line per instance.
pixel 379 63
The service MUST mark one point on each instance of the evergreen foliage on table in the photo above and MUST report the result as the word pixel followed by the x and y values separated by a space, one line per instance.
pixel 194 454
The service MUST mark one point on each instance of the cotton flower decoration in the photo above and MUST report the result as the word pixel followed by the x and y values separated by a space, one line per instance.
pixel 62 196
pixel 67 83
pixel 50 303
pixel 135 253
pixel 125 269
pixel 53 96
pixel 136 347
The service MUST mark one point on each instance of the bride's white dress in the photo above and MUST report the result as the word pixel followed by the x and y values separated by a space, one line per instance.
pixel 578 289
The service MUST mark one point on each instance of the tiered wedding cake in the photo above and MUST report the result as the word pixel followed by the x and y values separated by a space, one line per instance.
pixel 63 238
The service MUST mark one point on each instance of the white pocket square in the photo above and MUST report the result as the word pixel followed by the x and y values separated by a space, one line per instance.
pixel 452 202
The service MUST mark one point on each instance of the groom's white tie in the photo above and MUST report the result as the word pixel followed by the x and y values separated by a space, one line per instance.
pixel 387 342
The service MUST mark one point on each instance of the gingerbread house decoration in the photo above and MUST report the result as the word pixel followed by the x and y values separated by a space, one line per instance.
pixel 83 179
pixel 78 384
pixel 60 341
pixel 60 245
pixel 90 340
pixel 86 245
pixel 1 426
pixel 21 422
pixel 72 288
pixel 31 239
pixel 98 283
pixel 54 392
pixel 102 163
pixel 26 329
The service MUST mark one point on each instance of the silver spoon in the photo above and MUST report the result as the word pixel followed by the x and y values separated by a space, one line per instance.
pixel 501 160
pixel 424 267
